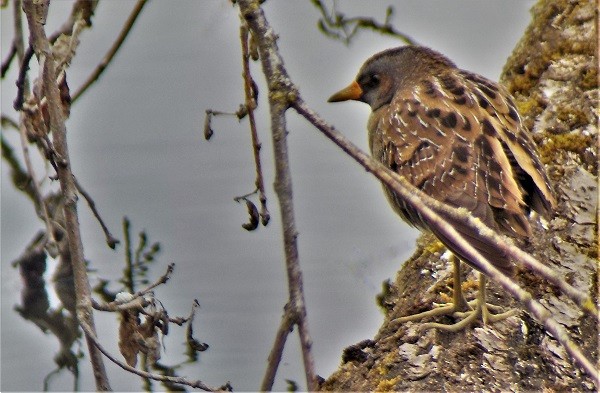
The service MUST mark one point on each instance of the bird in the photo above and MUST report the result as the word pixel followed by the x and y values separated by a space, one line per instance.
pixel 458 137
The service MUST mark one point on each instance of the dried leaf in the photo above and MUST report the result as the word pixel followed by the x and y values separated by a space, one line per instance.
pixel 63 49
pixel 254 217
pixel 150 343
pixel 152 349
pixel 208 131
pixel 242 112
pixel 254 90
pixel 65 95
pixel 129 337
pixel 191 341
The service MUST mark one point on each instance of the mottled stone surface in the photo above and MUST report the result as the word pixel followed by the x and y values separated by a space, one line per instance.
pixel 553 75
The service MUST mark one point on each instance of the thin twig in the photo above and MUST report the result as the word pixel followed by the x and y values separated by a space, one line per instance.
pixel 250 93
pixel 135 303
pixel 333 21
pixel 42 211
pixel 285 328
pixel 144 374
pixel 36 14
pixel 9 58
pixel 39 200
pixel 194 344
pixel 430 210
pixel 279 82
pixel 111 241
pixel 137 9
pixel 21 79
pixel 6 122
pixel 136 299
pixel 19 41
pixel 20 178
pixel 128 273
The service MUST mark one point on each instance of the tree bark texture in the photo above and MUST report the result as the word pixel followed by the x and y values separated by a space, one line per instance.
pixel 553 75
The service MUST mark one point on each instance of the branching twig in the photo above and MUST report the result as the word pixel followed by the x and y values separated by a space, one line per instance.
pixel 42 211
pixel 144 374
pixel 279 83
pixel 137 9
pixel 251 94
pixel 111 241
pixel 336 25
pixel 136 299
pixel 36 14
pixel 208 131
pixel 82 9
pixel 24 66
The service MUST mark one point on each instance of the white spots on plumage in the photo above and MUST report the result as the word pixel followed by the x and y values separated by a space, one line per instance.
pixel 398 117
pixel 424 124
pixel 462 138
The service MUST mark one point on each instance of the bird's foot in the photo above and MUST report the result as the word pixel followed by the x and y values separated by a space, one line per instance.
pixel 478 311
pixel 444 309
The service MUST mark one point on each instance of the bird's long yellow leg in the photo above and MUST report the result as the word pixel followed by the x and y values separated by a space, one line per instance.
pixel 458 300
pixel 479 309
pixel 471 311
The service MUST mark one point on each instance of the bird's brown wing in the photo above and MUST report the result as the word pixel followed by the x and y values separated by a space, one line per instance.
pixel 446 141
pixel 516 140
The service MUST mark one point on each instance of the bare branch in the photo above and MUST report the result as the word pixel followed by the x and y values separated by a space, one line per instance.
pixel 279 89
pixel 251 92
pixel 36 14
pixel 137 9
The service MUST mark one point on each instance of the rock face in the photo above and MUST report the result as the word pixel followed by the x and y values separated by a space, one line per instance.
pixel 553 76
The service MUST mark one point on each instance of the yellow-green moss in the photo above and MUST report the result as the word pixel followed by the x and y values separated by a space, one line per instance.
pixel 574 142
pixel 387 385
pixel 528 106
pixel 433 247
pixel 572 117
pixel 589 79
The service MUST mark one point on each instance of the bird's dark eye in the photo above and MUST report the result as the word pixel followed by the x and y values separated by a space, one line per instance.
pixel 370 81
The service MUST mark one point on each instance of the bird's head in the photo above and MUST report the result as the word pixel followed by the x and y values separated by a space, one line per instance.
pixel 389 71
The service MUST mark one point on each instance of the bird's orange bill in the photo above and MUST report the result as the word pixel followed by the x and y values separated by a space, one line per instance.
pixel 352 92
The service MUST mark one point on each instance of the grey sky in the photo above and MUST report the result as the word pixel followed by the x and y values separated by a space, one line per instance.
pixel 137 147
